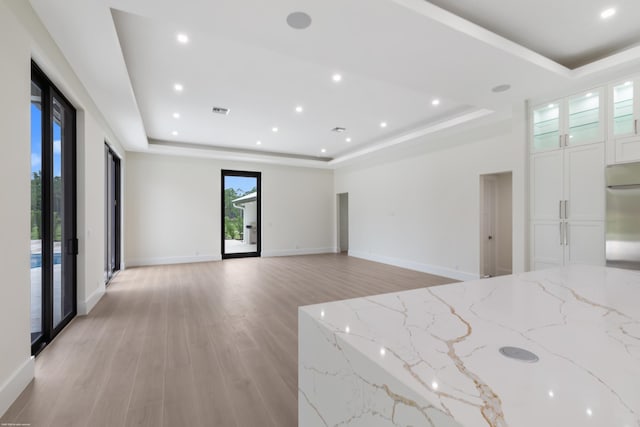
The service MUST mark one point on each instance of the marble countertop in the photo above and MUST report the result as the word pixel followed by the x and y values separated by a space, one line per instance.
pixel 443 342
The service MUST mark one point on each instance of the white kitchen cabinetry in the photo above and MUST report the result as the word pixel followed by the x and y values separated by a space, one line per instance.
pixel 567 206
pixel 571 121
pixel 624 118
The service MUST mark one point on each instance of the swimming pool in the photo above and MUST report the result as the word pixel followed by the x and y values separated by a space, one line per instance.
pixel 36 259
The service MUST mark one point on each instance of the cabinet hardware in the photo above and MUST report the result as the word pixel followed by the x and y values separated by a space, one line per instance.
pixel 566 139
pixel 560 141
pixel 566 234
pixel 635 126
pixel 561 234
pixel 560 209
pixel 566 209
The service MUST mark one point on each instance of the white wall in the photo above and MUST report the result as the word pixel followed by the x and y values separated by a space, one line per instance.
pixel 16 367
pixel 420 208
pixel 23 37
pixel 173 209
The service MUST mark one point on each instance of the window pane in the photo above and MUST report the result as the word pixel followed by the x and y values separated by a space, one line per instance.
pixel 36 212
pixel 58 212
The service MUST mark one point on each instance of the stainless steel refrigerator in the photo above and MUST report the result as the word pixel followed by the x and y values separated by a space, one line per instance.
pixel 623 216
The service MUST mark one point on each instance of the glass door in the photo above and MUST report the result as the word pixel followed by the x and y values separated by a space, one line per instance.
pixel 112 214
pixel 624 110
pixel 585 118
pixel 53 211
pixel 547 127
pixel 241 203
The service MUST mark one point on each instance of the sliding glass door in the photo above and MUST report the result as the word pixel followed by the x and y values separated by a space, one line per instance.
pixel 112 214
pixel 53 211
pixel 241 223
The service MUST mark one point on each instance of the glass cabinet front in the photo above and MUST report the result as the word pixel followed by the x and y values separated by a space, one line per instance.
pixel 584 118
pixel 546 127
pixel 623 114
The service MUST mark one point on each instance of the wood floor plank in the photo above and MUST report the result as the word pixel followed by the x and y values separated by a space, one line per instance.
pixel 209 344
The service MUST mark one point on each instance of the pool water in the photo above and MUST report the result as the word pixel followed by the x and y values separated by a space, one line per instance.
pixel 36 259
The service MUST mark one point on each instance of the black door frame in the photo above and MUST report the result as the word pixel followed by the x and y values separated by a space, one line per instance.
pixel 258 175
pixel 69 250
pixel 110 271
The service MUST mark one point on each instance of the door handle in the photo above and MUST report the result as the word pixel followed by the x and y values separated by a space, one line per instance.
pixel 561 234
pixel 635 126
pixel 566 234
pixel 566 139
pixel 566 209
pixel 560 141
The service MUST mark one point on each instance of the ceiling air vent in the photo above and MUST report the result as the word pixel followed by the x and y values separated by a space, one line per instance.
pixel 220 110
pixel 339 129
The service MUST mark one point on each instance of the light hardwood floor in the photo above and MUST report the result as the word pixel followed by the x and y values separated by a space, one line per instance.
pixel 212 344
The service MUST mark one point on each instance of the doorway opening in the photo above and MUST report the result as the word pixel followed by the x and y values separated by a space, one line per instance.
pixel 112 225
pixel 54 246
pixel 241 214
pixel 343 222
pixel 496 225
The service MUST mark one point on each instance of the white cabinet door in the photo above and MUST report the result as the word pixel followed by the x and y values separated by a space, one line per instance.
pixel 546 249
pixel 585 243
pixel 546 185
pixel 584 183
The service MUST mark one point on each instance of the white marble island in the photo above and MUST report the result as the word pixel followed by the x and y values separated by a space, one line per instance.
pixel 430 357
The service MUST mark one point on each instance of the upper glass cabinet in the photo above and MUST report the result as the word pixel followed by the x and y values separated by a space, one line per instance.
pixel 624 109
pixel 546 127
pixel 585 118
pixel 570 121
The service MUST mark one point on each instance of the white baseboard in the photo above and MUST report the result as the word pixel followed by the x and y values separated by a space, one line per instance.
pixel 15 384
pixel 293 252
pixel 85 307
pixel 412 265
pixel 140 262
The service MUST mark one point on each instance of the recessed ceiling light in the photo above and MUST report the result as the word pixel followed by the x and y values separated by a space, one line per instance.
pixel 258 142
pixel 324 150
pixel 274 129
pixel 383 351
pixel 299 20
pixel 589 95
pixel 608 13
pixel 383 124
pixel 589 412
pixel 299 109
pixel 183 38
pixel 435 102
pixel 174 133
pixel 178 87
pixel 501 88
pixel 348 139
pixel 176 115
pixel 337 78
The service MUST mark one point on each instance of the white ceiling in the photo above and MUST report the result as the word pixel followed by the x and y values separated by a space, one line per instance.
pixel 395 57
pixel 570 32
